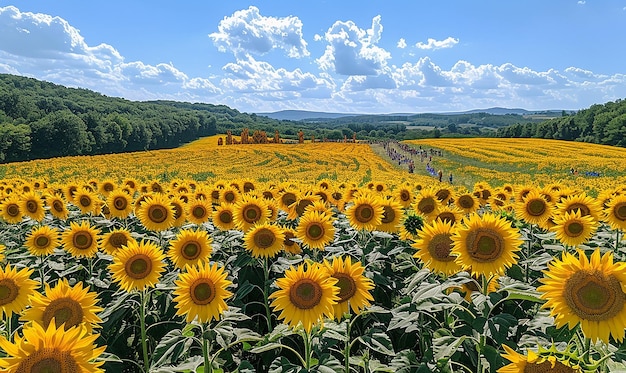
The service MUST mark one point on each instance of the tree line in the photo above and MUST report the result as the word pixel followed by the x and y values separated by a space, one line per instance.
pixel 600 124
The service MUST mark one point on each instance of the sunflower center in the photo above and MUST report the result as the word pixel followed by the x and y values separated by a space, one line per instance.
pixel 447 216
pixel 118 240
pixel 305 294
pixel 157 213
pixel 8 291
pixel 32 206
pixel 346 285
pixel 120 203
pixel 389 215
pixel 178 210
pixel 13 210
pixel 191 250
pixel 314 231
pixel 108 187
pixel 198 212
pixel 46 365
pixel 594 296
pixel 288 241
pixel 536 207
pixel 405 195
pixel 58 206
pixel 226 217
pixel 337 196
pixel 619 211
pixel 82 240
pixel 442 194
pixel 584 209
pixel 574 228
pixel 302 205
pixel 440 247
pixel 138 266
pixel 251 213
pixel 364 213
pixel 202 291
pixel 42 241
pixel 546 366
pixel 229 197
pixel 64 311
pixel 84 201
pixel 466 202
pixel 484 245
pixel 426 205
pixel 288 198
pixel 264 238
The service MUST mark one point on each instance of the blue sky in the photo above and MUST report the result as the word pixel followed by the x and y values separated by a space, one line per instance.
pixel 368 56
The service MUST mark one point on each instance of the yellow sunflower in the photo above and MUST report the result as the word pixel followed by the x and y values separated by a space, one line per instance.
pixel 289 244
pixel 201 293
pixel 199 210
pixel 57 206
pixel 315 230
pixel 534 363
pixel 486 245
pixel 365 213
pixel 42 240
pixel 306 294
pixel 264 240
pixel 137 266
pixel 249 211
pixel 223 217
pixel 573 229
pixel 86 200
pixel 444 195
pixel 70 190
pixel 426 203
pixel 68 306
pixel 354 287
pixel 31 205
pixel 115 240
pixel 120 204
pixel 392 215
pixel 298 208
pixel 404 196
pixel 615 212
pixel 230 195
pixel 589 292
pixel 534 208
pixel 337 198
pixel 178 206
pixel 106 187
pixel 585 204
pixel 156 213
pixel 16 287
pixel 10 210
pixel 52 350
pixel 81 240
pixel 287 198
pixel 434 247
pixel 449 213
pixel 467 203
pixel 190 248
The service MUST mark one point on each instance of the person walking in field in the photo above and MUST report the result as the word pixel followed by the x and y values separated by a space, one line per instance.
pixel 450 178
pixel 440 175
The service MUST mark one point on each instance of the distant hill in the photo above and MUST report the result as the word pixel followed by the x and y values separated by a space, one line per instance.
pixel 303 114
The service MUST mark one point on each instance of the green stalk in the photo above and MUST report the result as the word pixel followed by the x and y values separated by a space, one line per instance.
pixel 208 366
pixel 266 290
pixel 346 351
pixel 307 350
pixel 529 248
pixel 616 239
pixel 142 326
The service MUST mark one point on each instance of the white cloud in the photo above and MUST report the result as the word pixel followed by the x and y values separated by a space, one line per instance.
pixel 581 2
pixel 401 43
pixel 247 31
pixel 353 51
pixel 433 44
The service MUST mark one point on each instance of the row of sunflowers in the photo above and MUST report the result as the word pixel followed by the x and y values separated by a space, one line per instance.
pixel 237 275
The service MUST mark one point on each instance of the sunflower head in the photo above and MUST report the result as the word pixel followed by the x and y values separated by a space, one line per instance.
pixel 615 212
pixel 16 287
pixel 534 208
pixel 32 206
pixel 264 240
pixel 573 229
pixel 434 247
pixel 315 230
pixel 116 239
pixel 354 287
pixel 366 212
pixel 42 240
pixel 81 240
pixel 223 217
pixel 137 266
pixel 156 213
pixel 190 248
pixel 120 203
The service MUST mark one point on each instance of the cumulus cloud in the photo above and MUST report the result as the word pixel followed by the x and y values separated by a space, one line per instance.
pixel 401 43
pixel 352 50
pixel 247 31
pixel 433 44
pixel 581 2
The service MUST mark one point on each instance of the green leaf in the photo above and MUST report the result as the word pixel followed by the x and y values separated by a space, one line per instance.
pixel 378 341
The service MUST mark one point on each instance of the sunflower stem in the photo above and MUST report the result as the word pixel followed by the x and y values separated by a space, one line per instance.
pixel 528 252
pixel 616 239
pixel 346 351
pixel 266 290
pixel 307 350
pixel 142 326
pixel 41 273
pixel 208 366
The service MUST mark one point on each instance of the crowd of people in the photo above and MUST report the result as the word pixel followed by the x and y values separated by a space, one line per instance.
pixel 406 154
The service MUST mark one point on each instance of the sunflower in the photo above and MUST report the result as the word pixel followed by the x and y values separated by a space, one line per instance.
pixel 81 240
pixel 337 198
pixel 589 292
pixel 404 196
pixel 70 190
pixel 223 217
pixel 199 210
pixel 392 214
pixel 189 248
pixel 586 204
pixel 315 230
pixel 534 208
pixel 264 240
pixel 365 213
pixel 573 229
pixel 10 210
pixel 354 287
pixel 467 203
pixel 287 198
pixel 534 362
pixel 249 211
pixel 230 195
pixel 298 208
pixel 201 293
pixel 156 213
pixel 474 286
pixel 86 200
pixel 106 187
pixel 120 204
pixel 444 195
pixel 410 225
pixel 449 213
pixel 52 349
pixel 57 205
pixel 15 289
pixel 486 244
pixel 306 294
pixel 272 207
pixel 137 266
pixel 289 244
pixel 434 247
pixel 615 212
pixel 31 205
pixel 115 239
pixel 42 240
pixel 426 203
pixel 68 306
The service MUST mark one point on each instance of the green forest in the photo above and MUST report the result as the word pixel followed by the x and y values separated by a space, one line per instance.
pixel 599 124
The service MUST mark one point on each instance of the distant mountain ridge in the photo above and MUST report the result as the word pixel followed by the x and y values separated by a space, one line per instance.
pixel 297 115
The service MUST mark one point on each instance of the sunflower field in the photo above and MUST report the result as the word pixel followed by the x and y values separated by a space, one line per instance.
pixel 317 257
